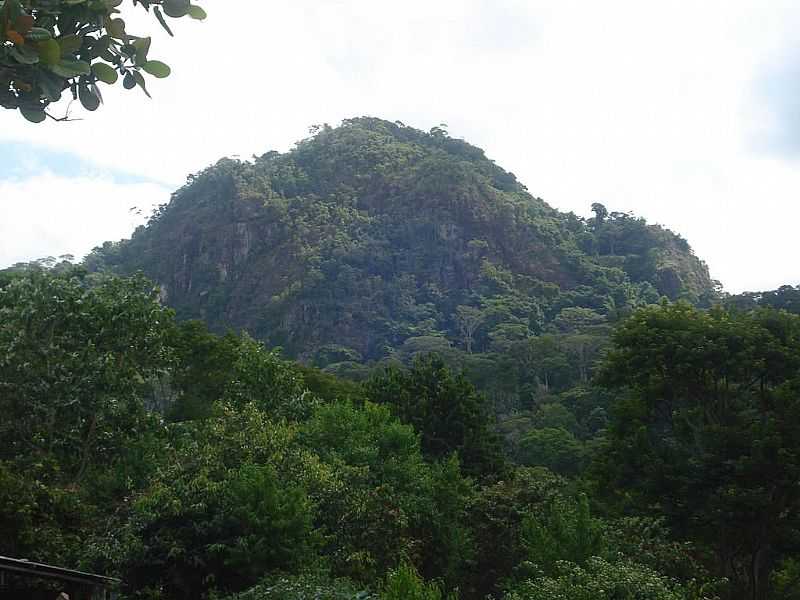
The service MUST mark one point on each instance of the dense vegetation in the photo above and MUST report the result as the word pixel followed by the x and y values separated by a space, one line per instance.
pixel 375 242
pixel 195 465
pixel 493 399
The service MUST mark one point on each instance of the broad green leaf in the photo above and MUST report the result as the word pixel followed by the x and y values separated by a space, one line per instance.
pixel 51 85
pixel 70 44
pixel 105 73
pixel 33 115
pixel 176 8
pixel 49 52
pixel 142 47
pixel 89 100
pixel 116 28
pixel 100 46
pixel 128 82
pixel 24 55
pixel 156 68
pixel 71 68
pixel 197 12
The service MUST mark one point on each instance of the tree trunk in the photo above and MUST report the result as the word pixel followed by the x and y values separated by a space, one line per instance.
pixel 759 575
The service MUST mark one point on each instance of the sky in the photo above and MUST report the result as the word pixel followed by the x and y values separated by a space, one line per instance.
pixel 685 113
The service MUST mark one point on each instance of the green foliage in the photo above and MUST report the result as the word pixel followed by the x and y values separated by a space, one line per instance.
pixel 403 583
pixel 259 376
pixel 304 587
pixel 497 514
pixel 707 429
pixel 328 387
pixel 220 470
pixel 224 513
pixel 50 46
pixel 203 371
pixel 446 410
pixel 74 356
pixel 786 580
pixel 375 242
pixel 600 579
pixel 39 521
pixel 564 530
pixel 647 541
pixel 554 448
pixel 375 504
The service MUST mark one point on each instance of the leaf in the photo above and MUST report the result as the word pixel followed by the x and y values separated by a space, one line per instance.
pixel 142 47
pixel 137 77
pixel 176 8
pixel 33 115
pixel 116 28
pixel 89 100
pixel 197 12
pixel 160 17
pixel 70 44
pixel 96 92
pixel 71 68
pixel 100 46
pixel 105 73
pixel 156 68
pixel 51 85
pixel 49 52
pixel 25 55
pixel 38 34
pixel 128 82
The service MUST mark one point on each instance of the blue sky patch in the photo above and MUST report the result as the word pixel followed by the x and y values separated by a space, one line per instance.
pixel 22 160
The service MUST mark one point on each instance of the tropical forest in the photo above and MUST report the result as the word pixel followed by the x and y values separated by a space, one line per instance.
pixel 376 366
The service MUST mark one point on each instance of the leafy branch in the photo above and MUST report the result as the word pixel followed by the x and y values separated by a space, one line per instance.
pixel 50 46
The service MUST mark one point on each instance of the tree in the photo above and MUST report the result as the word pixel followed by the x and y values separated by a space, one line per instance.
pixel 497 514
pixel 600 214
pixel 404 583
pixel 50 46
pixel 554 448
pixel 600 579
pixel 384 502
pixel 564 530
pixel 226 511
pixel 469 319
pixel 447 411
pixel 707 428
pixel 304 587
pixel 74 356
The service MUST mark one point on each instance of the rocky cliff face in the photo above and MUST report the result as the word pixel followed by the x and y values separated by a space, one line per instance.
pixel 373 233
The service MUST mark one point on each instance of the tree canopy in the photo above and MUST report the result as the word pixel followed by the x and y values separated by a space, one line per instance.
pixel 198 465
pixel 708 429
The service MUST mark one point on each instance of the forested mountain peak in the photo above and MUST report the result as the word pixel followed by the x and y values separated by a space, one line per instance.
pixel 373 236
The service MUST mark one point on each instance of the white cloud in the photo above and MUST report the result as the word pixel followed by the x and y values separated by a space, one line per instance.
pixel 644 106
pixel 48 215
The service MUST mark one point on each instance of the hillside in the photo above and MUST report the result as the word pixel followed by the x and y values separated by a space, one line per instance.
pixel 371 236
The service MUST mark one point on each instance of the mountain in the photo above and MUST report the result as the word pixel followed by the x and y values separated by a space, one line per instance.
pixel 373 237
